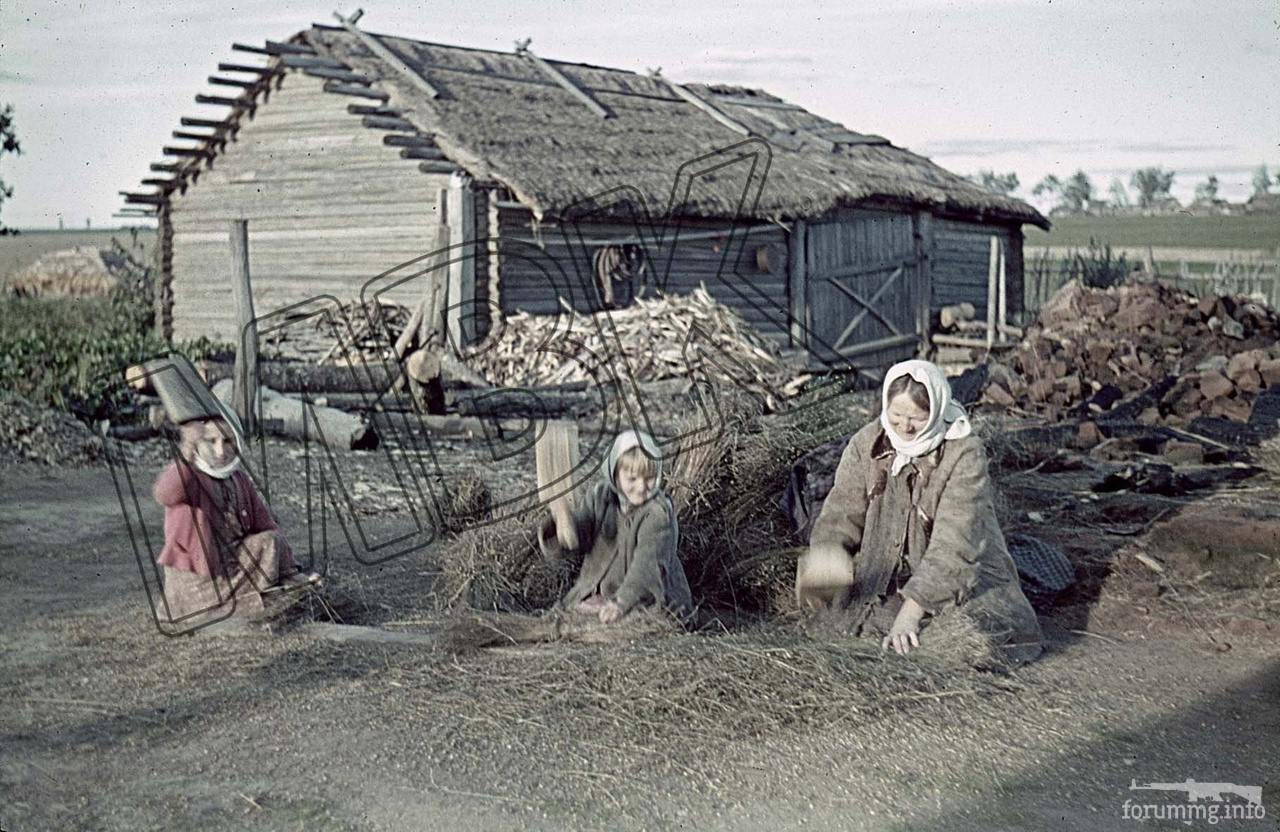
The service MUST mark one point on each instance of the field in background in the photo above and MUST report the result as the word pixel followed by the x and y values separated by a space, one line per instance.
pixel 1254 232
pixel 18 252
pixel 1238 255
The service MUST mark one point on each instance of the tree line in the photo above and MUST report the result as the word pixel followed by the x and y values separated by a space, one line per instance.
pixel 1150 188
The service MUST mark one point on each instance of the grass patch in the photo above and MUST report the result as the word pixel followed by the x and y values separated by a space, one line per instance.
pixel 1256 231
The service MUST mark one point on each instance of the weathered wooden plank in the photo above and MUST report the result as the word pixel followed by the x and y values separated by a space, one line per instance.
pixel 355 89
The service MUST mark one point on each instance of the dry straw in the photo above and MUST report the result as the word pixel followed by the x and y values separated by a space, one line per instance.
pixel 737 548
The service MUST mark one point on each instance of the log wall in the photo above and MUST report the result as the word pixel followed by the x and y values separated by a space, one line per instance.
pixel 538 265
pixel 329 206
pixel 960 263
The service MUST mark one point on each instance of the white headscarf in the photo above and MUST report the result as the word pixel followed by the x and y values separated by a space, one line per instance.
pixel 224 471
pixel 947 420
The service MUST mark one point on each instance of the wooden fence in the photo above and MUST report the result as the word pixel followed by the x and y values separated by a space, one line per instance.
pixel 1253 274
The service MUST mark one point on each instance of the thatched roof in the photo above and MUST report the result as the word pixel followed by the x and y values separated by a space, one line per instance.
pixel 504 119
pixel 501 117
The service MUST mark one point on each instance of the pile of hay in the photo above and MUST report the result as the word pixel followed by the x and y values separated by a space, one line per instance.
pixel 736 544
pixel 72 272
pixel 706 690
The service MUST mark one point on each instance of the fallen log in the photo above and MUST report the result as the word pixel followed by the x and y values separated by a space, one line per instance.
pixel 363 377
pixel 287 416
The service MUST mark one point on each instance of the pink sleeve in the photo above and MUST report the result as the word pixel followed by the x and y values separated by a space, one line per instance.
pixel 173 486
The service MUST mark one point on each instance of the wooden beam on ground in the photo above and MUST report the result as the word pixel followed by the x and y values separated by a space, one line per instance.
pixel 165 167
pixel 438 167
pixel 163 184
pixel 377 47
pixel 523 50
pixel 354 89
pixel 706 107
pixel 361 634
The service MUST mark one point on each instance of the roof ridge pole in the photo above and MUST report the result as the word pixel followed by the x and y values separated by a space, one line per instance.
pixel 384 52
pixel 705 106
pixel 523 50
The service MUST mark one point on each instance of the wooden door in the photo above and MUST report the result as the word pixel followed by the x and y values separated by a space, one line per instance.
pixel 868 294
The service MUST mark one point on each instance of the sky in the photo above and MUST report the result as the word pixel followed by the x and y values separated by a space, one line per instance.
pixel 1029 86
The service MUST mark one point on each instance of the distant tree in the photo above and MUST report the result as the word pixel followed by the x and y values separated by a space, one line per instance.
pixel 1262 181
pixel 1000 183
pixel 1152 185
pixel 1118 193
pixel 1207 191
pixel 1073 195
pixel 8 144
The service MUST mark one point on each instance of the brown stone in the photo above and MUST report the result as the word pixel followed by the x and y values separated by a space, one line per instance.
pixel 1214 385
pixel 1148 417
pixel 1270 371
pixel 1088 435
pixel 1250 382
pixel 997 395
pixel 1243 362
pixel 1237 410
pixel 1177 452
pixel 1040 390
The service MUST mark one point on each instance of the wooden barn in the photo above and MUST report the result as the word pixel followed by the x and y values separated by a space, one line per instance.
pixel 352 155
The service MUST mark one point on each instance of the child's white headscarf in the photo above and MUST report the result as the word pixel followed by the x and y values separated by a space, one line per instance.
pixel 947 420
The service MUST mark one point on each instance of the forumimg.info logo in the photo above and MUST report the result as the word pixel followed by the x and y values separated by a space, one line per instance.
pixel 1209 803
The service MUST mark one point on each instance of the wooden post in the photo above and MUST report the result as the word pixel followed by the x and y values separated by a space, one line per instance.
pixel 245 395
pixel 924 273
pixel 798 281
pixel 993 274
pixel 1003 302
pixel 461 292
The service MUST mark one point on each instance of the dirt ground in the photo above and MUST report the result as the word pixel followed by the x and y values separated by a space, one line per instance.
pixel 108 725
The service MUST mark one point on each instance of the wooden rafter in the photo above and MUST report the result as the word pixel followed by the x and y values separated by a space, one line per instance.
pixel 377 47
pixel 523 50
pixel 706 107
pixel 354 89
pixel 257 70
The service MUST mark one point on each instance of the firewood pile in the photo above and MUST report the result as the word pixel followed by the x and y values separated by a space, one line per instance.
pixel 656 336
pixel 352 332
pixel 1163 353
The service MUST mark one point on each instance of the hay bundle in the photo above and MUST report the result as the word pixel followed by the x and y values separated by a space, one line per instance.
pixel 498 566
pixel 704 689
pixel 736 544
pixel 72 272
pixel 470 632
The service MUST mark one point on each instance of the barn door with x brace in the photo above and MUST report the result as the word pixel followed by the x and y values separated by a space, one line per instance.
pixel 868 298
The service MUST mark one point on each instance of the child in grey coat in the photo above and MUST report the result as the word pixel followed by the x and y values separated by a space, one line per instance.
pixel 627 529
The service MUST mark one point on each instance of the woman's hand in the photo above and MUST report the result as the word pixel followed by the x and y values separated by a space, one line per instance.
pixel 904 635
pixel 610 612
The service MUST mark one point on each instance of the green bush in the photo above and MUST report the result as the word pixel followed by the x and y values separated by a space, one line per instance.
pixel 61 352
